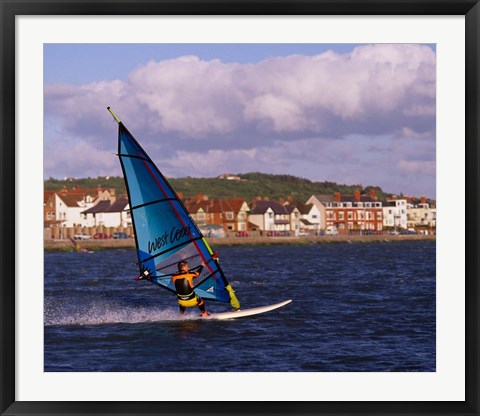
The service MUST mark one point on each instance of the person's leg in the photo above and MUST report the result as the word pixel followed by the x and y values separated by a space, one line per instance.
pixel 201 306
pixel 182 309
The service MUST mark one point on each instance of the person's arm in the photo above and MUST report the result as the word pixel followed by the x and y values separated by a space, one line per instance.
pixel 198 269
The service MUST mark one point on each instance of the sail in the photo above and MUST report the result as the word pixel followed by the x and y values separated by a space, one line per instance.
pixel 164 231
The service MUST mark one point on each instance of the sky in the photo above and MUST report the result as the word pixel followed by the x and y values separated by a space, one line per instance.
pixel 351 114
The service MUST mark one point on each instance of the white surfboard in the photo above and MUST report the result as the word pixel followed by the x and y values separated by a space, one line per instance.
pixel 248 312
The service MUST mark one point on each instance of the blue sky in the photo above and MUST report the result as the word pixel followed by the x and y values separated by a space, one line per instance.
pixel 82 63
pixel 355 114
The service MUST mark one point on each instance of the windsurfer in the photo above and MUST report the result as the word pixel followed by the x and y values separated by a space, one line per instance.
pixel 183 281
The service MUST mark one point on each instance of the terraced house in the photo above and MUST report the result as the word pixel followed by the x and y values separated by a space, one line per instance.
pixel 231 214
pixel 355 212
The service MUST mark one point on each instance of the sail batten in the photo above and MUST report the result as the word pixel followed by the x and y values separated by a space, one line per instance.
pixel 165 233
pixel 153 202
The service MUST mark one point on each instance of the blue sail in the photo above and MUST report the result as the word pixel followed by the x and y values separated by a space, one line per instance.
pixel 164 231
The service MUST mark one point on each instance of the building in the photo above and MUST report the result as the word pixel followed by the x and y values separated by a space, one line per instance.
pixel 231 214
pixel 270 216
pixel 69 208
pixel 421 216
pixel 64 207
pixel 310 217
pixel 321 202
pixel 355 212
pixel 395 213
pixel 358 212
pixel 108 214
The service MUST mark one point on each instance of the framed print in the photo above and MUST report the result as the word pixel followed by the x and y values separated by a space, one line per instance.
pixel 389 327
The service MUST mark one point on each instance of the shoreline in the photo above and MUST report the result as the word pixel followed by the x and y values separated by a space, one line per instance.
pixel 98 245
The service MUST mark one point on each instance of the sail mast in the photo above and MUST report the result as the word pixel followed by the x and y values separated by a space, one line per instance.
pixel 114 115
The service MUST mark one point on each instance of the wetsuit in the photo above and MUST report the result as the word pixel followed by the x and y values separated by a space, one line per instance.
pixel 186 296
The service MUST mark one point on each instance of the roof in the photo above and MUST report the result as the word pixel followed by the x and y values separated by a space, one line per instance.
pixel 119 205
pixel 106 206
pixel 195 206
pixel 289 208
pixel 219 205
pixel 47 195
pixel 215 205
pixel 351 198
pixel 303 208
pixel 236 204
pixel 71 200
pixel 261 207
pixel 325 198
pixel 102 206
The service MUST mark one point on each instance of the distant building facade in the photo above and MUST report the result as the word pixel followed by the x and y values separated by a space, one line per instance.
pixel 420 215
pixel 395 213
pixel 108 214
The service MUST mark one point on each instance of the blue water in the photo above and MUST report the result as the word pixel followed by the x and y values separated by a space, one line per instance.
pixel 356 307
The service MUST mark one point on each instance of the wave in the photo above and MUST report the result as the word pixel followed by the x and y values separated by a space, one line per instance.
pixel 101 313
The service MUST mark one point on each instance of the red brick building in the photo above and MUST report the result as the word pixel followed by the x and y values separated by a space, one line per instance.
pixel 355 212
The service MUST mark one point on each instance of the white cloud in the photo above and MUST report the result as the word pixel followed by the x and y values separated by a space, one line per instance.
pixel 244 115
pixel 79 159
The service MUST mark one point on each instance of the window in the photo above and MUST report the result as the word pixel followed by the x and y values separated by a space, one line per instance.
pixel 229 215
pixel 341 216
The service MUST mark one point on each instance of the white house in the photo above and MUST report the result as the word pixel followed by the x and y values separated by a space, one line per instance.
pixel 295 218
pixel 310 216
pixel 270 216
pixel 108 214
pixel 69 208
pixel 321 203
pixel 395 213
pixel 421 215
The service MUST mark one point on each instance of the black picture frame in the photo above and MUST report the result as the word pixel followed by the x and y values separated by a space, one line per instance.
pixel 10 9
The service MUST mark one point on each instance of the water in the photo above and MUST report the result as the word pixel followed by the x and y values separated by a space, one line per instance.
pixel 356 307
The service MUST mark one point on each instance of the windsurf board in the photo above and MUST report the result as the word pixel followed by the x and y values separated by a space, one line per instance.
pixel 248 312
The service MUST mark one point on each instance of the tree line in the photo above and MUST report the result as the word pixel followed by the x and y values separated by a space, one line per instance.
pixel 248 186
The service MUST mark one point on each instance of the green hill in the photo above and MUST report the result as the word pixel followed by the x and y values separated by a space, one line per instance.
pixel 248 186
